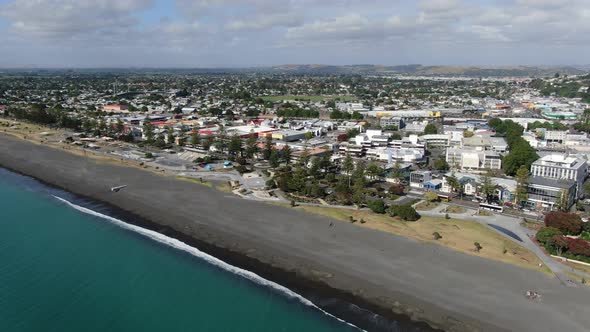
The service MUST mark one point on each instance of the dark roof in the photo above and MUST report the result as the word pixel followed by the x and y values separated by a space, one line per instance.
pixel 563 184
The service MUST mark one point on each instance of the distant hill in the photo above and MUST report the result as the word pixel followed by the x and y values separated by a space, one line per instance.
pixel 310 69
pixel 471 71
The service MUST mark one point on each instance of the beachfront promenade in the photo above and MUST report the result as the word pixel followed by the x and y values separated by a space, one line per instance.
pixel 453 290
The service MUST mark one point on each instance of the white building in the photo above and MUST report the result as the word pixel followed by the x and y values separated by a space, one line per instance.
pixel 391 155
pixel 372 138
pixel 418 178
pixel 562 167
pixel 473 159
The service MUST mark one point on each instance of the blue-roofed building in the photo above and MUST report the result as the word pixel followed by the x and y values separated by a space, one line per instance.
pixel 434 185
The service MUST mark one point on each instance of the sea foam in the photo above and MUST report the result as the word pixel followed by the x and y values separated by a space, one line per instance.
pixel 208 258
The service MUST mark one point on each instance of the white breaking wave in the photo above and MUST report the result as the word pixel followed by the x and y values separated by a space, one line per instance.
pixel 208 258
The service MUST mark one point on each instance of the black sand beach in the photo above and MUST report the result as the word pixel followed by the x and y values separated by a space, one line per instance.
pixel 381 272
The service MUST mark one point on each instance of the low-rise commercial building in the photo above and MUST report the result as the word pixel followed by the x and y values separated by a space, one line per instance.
pixel 418 178
pixel 560 166
pixel 473 159
pixel 545 194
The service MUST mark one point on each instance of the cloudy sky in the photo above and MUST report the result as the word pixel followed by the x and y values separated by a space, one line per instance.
pixel 235 33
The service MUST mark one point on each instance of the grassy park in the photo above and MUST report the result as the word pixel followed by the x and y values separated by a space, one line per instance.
pixel 426 206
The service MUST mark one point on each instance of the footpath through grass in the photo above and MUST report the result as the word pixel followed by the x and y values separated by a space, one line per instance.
pixel 456 234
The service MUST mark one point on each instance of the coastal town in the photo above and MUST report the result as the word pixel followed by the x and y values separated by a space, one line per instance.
pixel 509 145
pixel 508 152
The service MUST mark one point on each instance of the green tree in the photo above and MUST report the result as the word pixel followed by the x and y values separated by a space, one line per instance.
pixel 195 138
pixel 358 175
pixel 286 154
pixel 358 193
pixel 431 196
pixel 441 164
pixel 374 171
pixel 430 129
pixel 404 212
pixel 454 183
pixel 274 159
pixel 315 168
pixel 251 146
pixel 170 135
pixel 377 206
pixel 101 127
pixel 304 158
pixel 267 151
pixel 297 180
pixel 488 187
pixel 148 131
pixel 235 145
pixel 562 200
pixel 160 142
pixel 208 142
pixel 348 167
pixel 545 234
pixel 119 127
pixel 522 178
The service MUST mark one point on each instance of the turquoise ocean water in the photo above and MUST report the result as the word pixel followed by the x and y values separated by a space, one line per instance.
pixel 62 269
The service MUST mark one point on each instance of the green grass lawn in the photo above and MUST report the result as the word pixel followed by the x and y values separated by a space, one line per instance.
pixel 426 206
pixel 306 97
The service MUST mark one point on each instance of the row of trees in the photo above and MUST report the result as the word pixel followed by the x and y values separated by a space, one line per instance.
pixel 521 153
pixel 339 115
pixel 39 113
pixel 297 113
pixel 58 117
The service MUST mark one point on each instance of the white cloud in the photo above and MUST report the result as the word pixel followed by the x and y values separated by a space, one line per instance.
pixel 268 21
pixel 68 18
pixel 354 31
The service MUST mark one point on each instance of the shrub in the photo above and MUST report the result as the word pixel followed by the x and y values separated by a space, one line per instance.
pixel 559 242
pixel 149 155
pixel 242 169
pixel 377 206
pixel 363 221
pixel 547 233
pixel 578 247
pixel 404 212
pixel 396 189
pixel 270 184
pixel 431 196
pixel 436 236
pixel 478 246
pixel 567 223
pixel 447 216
